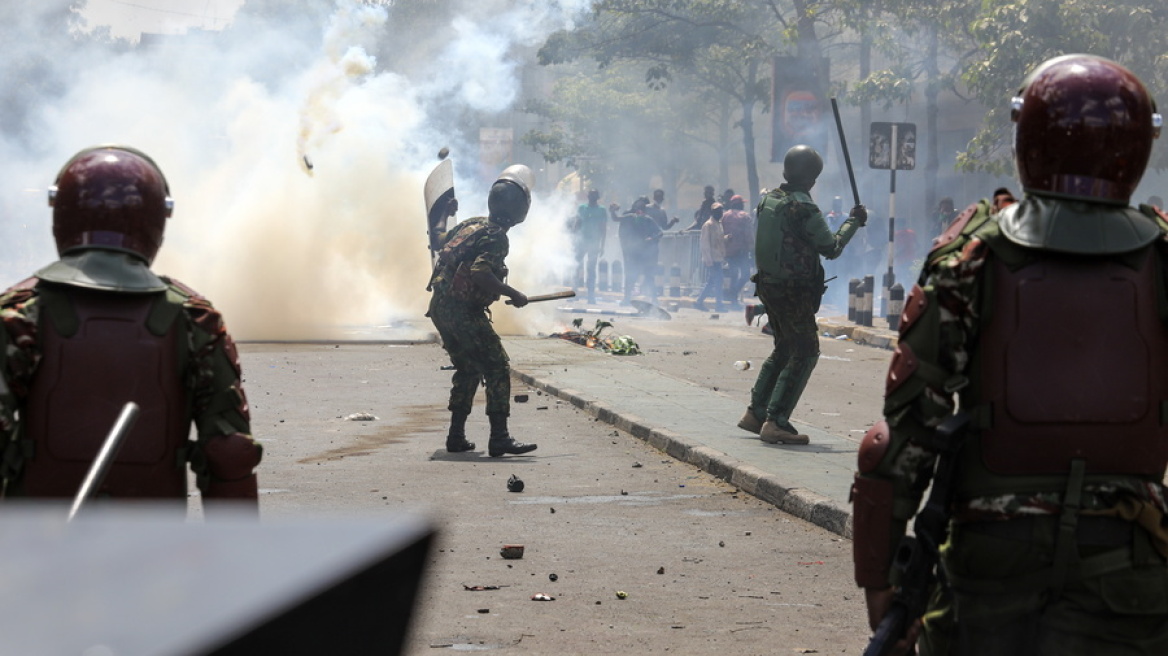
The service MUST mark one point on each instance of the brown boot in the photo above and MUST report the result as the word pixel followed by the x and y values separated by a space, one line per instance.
pixel 772 434
pixel 749 422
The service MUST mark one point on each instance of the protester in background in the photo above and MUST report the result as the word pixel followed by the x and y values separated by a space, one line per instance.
pixel 656 210
pixel 640 245
pixel 97 329
pixel 943 215
pixel 589 230
pixel 1043 326
pixel 713 248
pixel 1002 199
pixel 703 212
pixel 739 228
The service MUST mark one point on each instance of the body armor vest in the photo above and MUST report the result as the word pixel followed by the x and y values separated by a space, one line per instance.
pixel 98 354
pixel 1071 367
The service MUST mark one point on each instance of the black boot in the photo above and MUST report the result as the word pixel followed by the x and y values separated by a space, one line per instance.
pixel 456 439
pixel 501 441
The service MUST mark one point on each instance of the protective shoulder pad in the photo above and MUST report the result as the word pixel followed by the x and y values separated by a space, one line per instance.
pixel 873 447
pixel 964 225
pixel 19 293
pixel 200 310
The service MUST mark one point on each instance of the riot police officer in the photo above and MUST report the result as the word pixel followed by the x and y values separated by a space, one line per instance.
pixel 97 329
pixel 791 236
pixel 1045 324
pixel 469 276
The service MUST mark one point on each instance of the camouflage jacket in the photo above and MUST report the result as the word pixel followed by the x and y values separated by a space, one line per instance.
pixel 474 245
pixel 212 374
pixel 943 339
pixel 791 236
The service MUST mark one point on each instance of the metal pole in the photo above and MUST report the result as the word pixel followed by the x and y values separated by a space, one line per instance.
pixel 890 275
pixel 105 457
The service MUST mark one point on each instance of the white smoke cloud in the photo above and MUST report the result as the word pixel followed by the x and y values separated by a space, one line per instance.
pixel 284 249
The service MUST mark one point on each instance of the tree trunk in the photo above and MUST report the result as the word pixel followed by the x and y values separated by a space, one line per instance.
pixel 752 181
pixel 932 157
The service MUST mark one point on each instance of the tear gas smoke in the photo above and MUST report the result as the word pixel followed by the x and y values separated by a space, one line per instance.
pixel 299 207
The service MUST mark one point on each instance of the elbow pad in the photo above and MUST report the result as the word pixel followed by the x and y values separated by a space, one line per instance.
pixel 872 513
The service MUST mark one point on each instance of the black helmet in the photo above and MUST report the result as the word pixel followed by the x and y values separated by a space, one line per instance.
pixel 510 196
pixel 802 165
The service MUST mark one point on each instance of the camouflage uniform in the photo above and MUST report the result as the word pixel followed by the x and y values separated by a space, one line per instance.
pixel 210 374
pixel 792 235
pixel 460 312
pixel 1020 571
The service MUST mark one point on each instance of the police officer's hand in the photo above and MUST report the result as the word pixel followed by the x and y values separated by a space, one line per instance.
pixel 859 215
pixel 519 299
pixel 878 602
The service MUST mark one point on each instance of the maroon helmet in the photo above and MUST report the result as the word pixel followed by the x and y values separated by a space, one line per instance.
pixel 1084 129
pixel 113 198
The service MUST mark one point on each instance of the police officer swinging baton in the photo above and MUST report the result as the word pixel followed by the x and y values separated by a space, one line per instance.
pixel 839 126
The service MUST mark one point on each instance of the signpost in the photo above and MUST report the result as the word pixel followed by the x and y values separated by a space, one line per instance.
pixel 892 146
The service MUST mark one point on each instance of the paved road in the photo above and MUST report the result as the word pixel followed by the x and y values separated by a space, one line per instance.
pixel 707 567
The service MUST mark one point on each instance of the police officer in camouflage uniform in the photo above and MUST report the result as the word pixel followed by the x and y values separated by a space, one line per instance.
pixel 1047 324
pixel 97 329
pixel 791 236
pixel 469 276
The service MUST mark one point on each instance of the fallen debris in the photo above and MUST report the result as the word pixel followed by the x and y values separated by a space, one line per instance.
pixel 539 596
pixel 480 588
pixel 361 416
pixel 511 551
pixel 621 345
pixel 514 484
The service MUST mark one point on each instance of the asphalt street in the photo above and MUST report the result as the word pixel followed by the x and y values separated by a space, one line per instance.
pixel 654 523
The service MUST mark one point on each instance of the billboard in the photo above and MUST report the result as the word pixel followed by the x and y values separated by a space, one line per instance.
pixel 800 113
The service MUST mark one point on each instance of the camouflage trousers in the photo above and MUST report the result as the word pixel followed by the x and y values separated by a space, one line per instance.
pixel 476 352
pixel 1007 599
pixel 791 309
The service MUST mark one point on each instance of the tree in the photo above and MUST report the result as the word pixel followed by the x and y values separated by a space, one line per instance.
pixel 719 48
pixel 1013 38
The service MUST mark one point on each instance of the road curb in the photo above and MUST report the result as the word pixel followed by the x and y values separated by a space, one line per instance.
pixel 802 503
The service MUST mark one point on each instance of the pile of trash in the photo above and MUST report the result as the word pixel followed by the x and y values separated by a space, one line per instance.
pixel 620 345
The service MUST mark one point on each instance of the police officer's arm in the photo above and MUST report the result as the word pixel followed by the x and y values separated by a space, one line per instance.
pixel 831 245
pixel 488 282
pixel 489 269
pixel 18 362
pixel 225 455
pixel 895 461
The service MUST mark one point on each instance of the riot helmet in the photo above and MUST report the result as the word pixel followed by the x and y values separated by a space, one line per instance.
pixel 510 196
pixel 801 166
pixel 1084 127
pixel 110 198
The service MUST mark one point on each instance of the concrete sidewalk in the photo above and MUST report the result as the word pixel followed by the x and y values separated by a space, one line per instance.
pixel 691 423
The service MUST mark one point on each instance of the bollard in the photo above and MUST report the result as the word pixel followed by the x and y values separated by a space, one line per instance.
pixel 853 298
pixel 864 314
pixel 602 275
pixel 617 280
pixel 895 306
pixel 675 280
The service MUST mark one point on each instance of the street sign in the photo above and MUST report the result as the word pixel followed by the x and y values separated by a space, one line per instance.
pixel 881 146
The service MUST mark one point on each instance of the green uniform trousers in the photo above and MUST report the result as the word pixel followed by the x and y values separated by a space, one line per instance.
pixel 1006 599
pixel 476 352
pixel 791 309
